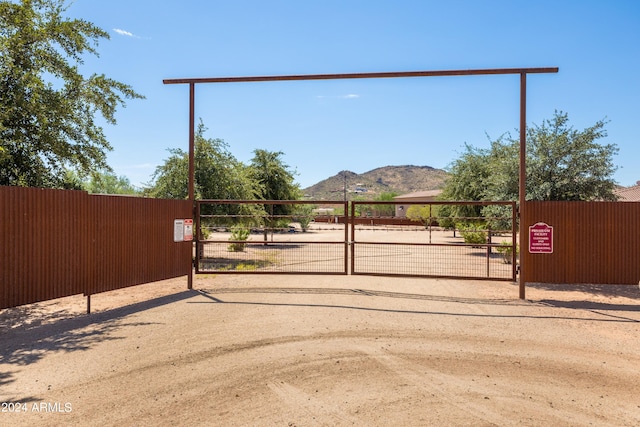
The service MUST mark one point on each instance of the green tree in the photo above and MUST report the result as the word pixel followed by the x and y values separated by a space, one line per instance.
pixel 276 178
pixel 420 213
pixel 109 183
pixel 303 214
pixel 385 209
pixel 467 179
pixel 276 182
pixel 47 107
pixel 218 174
pixel 567 164
pixel 562 164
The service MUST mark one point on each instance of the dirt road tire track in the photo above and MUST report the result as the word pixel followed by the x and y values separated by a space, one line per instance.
pixel 300 350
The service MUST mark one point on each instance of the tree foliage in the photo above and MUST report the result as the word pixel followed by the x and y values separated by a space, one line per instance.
pixel 421 213
pixel 562 164
pixel 218 174
pixel 275 181
pixel 47 107
pixel 109 183
pixel 375 209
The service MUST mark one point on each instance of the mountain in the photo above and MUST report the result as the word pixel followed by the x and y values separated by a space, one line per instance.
pixel 397 179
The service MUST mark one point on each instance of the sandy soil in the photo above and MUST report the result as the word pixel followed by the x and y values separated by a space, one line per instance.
pixel 287 350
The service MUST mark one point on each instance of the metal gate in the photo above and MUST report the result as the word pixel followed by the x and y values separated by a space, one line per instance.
pixel 428 239
pixel 271 236
pixel 434 239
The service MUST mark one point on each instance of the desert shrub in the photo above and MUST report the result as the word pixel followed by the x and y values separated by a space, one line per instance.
pixel 246 267
pixel 238 233
pixel 445 217
pixel 304 216
pixel 473 233
pixel 506 249
pixel 205 232
pixel 420 213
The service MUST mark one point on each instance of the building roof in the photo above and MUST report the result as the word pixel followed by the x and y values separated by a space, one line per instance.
pixel 629 194
pixel 429 195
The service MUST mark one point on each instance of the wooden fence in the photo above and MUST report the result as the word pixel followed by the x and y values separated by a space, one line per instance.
pixel 592 242
pixel 57 243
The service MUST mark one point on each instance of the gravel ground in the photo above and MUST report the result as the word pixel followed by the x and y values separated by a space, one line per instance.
pixel 291 350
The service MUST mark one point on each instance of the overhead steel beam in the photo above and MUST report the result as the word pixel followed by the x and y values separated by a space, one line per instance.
pixel 380 75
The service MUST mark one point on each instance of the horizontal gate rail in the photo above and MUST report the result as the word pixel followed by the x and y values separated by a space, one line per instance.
pixel 270 237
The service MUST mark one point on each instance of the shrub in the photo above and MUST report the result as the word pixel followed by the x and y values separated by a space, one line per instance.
pixel 473 234
pixel 238 233
pixel 506 249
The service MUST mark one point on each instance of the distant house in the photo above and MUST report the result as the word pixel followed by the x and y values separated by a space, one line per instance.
pixel 629 194
pixel 419 196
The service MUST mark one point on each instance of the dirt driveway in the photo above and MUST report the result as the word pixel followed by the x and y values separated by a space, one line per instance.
pixel 325 350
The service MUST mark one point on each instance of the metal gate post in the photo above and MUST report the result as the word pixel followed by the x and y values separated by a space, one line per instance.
pixel 523 168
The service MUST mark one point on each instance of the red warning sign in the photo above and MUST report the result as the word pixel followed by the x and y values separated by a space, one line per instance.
pixel 188 230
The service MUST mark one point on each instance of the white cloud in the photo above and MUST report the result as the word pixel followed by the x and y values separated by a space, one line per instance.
pixel 125 33
pixel 349 96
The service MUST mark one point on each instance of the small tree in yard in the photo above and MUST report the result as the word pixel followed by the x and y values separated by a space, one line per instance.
pixel 303 214
pixel 385 209
pixel 275 181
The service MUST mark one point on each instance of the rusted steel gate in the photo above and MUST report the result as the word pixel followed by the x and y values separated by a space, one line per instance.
pixel 270 236
pixel 438 247
pixel 255 236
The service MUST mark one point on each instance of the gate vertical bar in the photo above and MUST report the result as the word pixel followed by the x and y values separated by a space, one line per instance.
pixel 488 250
pixel 346 238
pixel 514 241
pixel 196 236
pixel 523 171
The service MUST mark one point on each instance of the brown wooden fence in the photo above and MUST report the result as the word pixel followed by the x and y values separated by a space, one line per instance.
pixel 57 243
pixel 593 242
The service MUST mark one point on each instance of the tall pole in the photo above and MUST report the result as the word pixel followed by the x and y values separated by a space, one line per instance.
pixel 192 198
pixel 192 96
pixel 344 193
pixel 523 175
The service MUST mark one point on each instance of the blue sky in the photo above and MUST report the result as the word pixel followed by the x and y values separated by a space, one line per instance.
pixel 324 127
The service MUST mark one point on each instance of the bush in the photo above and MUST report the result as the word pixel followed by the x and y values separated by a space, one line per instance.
pixel 238 233
pixel 473 234
pixel 506 249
